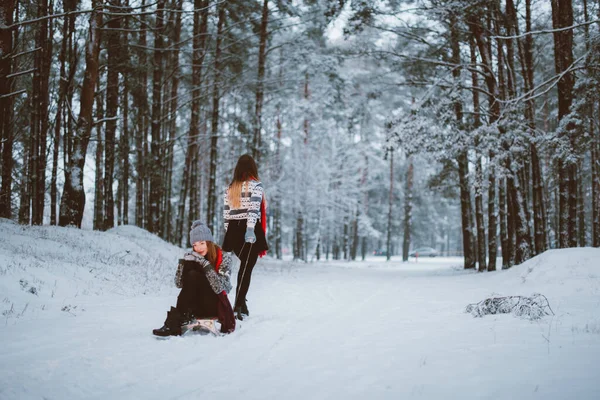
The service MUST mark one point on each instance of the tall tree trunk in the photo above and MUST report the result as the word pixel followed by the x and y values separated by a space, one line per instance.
pixel 596 187
pixel 73 60
pixel 262 55
pixel 46 35
pixel 212 184
pixel 481 252
pixel 112 107
pixel 516 178
pixel 562 17
pixel 594 143
pixel 306 124
pixel 34 123
pixel 24 191
pixel 62 93
pixel 364 205
pixel 318 247
pixel 408 209
pixel 463 165
pixel 72 201
pixel 390 207
pixel 187 184
pixel 141 105
pixel 354 245
pixel 39 116
pixel 125 146
pixel 483 44
pixel 299 247
pixel 278 168
pixel 24 197
pixel 99 176
pixel 506 263
pixel 167 231
pixel 469 253
pixel 6 108
pixel 345 237
pixel 581 215
pixel 156 184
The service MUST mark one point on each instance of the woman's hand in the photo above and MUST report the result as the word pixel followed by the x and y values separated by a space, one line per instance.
pixel 250 237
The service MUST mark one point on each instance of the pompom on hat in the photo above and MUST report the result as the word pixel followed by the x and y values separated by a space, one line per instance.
pixel 200 233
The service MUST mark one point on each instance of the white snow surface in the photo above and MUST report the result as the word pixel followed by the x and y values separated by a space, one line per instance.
pixel 78 308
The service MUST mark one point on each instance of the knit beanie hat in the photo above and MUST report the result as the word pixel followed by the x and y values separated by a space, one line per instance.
pixel 200 232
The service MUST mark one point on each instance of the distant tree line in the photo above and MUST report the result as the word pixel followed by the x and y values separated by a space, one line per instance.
pixel 139 109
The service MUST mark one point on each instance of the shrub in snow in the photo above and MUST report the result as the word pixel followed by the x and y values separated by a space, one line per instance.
pixel 533 308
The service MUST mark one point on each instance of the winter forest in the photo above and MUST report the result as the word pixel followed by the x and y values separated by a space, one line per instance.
pixel 469 126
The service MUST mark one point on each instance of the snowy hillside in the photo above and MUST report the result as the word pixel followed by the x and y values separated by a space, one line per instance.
pixel 79 308
pixel 45 268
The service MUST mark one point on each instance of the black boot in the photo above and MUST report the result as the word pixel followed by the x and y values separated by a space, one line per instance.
pixel 187 317
pixel 172 325
pixel 244 309
pixel 238 313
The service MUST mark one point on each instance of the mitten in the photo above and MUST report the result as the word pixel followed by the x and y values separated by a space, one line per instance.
pixel 250 237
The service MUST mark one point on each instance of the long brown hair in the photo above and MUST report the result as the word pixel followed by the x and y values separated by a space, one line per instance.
pixel 245 169
pixel 211 253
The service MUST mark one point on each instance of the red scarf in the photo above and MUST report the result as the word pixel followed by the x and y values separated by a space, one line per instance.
pixel 263 221
pixel 219 260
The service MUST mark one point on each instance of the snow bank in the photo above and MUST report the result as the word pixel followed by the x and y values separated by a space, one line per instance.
pixel 47 268
pixel 579 267
pixel 327 330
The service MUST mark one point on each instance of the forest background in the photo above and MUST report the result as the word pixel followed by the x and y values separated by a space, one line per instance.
pixel 469 126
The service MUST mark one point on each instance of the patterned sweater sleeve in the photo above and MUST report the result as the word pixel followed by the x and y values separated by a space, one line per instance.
pixel 219 281
pixel 179 275
pixel 254 207
pixel 226 209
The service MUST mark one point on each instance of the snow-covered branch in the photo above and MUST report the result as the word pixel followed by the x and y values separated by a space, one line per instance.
pixel 13 93
pixel 568 28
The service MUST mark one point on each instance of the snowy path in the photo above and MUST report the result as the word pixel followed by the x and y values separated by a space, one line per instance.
pixel 370 330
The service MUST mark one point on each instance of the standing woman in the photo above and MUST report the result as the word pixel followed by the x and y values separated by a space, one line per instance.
pixel 245 225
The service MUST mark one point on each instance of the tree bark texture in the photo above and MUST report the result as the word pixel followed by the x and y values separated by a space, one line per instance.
pixel 156 182
pixel 212 183
pixel 6 107
pixel 462 160
pixel 72 201
pixel 390 208
pixel 112 107
pixel 191 185
pixel 408 198
pixel 65 81
pixel 98 223
pixel 562 17
pixel 262 55
pixel 481 252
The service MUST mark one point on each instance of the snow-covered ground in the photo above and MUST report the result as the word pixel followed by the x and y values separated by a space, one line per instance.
pixel 78 308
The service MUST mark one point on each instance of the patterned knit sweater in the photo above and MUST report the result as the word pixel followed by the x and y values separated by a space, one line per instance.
pixel 252 196
pixel 219 281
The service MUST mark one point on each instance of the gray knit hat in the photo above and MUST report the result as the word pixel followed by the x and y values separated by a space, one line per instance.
pixel 200 232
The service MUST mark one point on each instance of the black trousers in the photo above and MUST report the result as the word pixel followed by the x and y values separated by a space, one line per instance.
pixel 248 257
pixel 196 296
pixel 246 252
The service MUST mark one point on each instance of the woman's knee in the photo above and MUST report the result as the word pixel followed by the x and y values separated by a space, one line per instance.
pixel 192 277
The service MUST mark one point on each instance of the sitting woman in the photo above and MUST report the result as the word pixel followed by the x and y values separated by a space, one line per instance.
pixel 204 278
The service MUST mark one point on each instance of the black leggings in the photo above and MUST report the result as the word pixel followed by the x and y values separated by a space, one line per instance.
pixel 248 255
pixel 196 296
